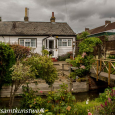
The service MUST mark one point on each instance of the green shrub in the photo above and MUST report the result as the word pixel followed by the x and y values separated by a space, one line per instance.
pixel 45 52
pixel 87 45
pixel 44 68
pixel 61 102
pixel 108 102
pixel 83 64
pixel 64 56
pixel 7 59
pixel 111 57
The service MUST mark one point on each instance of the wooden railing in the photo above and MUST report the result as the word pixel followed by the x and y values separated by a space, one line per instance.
pixel 104 65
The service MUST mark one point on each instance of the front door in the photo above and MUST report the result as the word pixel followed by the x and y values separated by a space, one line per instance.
pixel 51 44
pixel 51 47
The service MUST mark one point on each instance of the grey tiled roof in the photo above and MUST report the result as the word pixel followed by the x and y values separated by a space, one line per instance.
pixel 35 28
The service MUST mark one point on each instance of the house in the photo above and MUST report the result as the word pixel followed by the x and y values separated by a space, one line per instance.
pixel 105 31
pixel 56 37
pixel 108 29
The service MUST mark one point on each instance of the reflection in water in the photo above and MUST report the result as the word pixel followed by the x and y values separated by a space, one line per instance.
pixel 91 95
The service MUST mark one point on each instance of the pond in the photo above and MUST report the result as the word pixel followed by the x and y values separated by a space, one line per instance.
pixel 4 102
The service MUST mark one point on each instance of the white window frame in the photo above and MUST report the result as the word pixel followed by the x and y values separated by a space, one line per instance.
pixel 65 41
pixel 29 40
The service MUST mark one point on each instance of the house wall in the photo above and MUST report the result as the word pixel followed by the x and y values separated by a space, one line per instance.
pixel 38 49
pixel 64 49
pixel 14 39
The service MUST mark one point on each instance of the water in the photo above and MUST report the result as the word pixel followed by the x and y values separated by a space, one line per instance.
pixel 91 95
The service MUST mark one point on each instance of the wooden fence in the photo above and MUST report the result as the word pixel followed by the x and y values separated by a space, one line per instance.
pixel 105 66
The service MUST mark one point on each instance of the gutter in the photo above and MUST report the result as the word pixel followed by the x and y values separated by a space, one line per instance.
pixel 100 33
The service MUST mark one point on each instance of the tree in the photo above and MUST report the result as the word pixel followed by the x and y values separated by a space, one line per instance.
pixel 20 74
pixel 44 68
pixel 7 59
pixel 83 35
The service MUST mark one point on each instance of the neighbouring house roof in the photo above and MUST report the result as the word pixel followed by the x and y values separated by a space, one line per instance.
pixel 17 28
pixel 107 29
pixel 106 33
pixel 103 28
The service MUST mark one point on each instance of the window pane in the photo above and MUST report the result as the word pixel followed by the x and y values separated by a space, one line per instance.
pixel 33 43
pixel 22 42
pixel 69 42
pixel 64 43
pixel 60 42
pixel 27 44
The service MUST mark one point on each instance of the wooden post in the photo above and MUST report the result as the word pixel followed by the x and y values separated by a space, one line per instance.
pixel 62 69
pixel 99 51
pixel 100 64
pixel 109 72
pixel 97 69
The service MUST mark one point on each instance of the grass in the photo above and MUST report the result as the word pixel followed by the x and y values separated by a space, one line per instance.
pixel 92 107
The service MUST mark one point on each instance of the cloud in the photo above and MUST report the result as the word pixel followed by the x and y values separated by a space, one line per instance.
pixel 77 13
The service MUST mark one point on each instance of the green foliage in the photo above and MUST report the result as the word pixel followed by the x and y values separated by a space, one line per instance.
pixel 20 52
pixel 45 52
pixel 108 93
pixel 64 56
pixel 111 57
pixel 83 35
pixel 87 45
pixel 43 47
pixel 108 102
pixel 83 64
pixel 68 60
pixel 44 68
pixel 21 72
pixel 61 102
pixel 31 101
pixel 72 75
pixel 7 59
pixel 27 97
pixel 83 108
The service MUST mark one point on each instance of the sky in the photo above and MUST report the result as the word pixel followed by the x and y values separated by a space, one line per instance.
pixel 79 14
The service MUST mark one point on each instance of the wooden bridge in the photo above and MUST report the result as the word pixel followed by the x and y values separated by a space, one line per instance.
pixel 104 69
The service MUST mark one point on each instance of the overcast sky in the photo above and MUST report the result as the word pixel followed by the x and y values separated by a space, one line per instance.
pixel 77 13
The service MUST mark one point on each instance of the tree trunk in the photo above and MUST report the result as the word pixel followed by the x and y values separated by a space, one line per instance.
pixel 52 88
pixel 10 96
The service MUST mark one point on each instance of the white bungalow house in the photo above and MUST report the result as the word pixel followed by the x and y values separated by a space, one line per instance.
pixel 56 37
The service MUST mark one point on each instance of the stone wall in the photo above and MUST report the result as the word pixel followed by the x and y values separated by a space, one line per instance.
pixel 76 86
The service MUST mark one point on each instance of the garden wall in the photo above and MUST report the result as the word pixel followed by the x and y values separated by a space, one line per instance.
pixel 77 87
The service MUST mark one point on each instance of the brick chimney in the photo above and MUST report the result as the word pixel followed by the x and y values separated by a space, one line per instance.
pixel 26 14
pixel 0 19
pixel 86 29
pixel 52 19
pixel 107 22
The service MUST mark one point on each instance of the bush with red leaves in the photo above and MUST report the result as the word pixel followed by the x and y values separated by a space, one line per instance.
pixel 20 51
